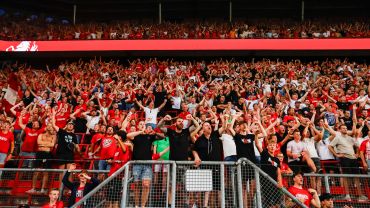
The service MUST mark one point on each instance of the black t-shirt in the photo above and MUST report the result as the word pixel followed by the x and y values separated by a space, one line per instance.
pixel 269 164
pixel 284 147
pixel 245 146
pixel 179 144
pixel 209 149
pixel 28 100
pixel 344 106
pixel 159 98
pixel 66 141
pixel 348 122
pixel 143 147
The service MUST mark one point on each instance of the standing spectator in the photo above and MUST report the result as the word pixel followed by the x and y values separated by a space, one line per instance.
pixel 6 143
pixel 365 153
pixel 81 188
pixel 271 165
pixel 29 145
pixel 208 147
pixel 298 155
pixel 343 147
pixel 107 149
pixel 142 141
pixel 53 200
pixel 151 113
pixel 307 196
pixel 67 144
pixel 45 144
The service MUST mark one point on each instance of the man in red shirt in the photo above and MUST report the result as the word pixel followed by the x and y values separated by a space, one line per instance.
pixel 54 203
pixel 307 196
pixel 107 149
pixel 365 153
pixel 29 146
pixel 6 143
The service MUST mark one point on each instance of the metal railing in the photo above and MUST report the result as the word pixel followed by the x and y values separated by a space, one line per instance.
pixel 16 182
pixel 181 184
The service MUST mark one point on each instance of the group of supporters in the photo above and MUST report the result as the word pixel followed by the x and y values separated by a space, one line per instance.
pixel 285 116
pixel 40 28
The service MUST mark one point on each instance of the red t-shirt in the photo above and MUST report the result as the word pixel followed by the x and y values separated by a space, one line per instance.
pixel 120 159
pixel 58 204
pixel 61 120
pixel 83 108
pixel 365 148
pixel 30 140
pixel 108 147
pixel 25 119
pixel 94 140
pixel 301 194
pixel 5 141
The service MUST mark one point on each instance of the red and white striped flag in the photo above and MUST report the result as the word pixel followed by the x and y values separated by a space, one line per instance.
pixel 11 94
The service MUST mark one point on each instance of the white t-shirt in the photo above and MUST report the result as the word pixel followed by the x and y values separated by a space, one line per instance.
pixel 176 102
pixel 323 150
pixel 151 115
pixel 310 146
pixel 228 145
pixel 259 141
pixel 191 107
pixel 295 148
pixel 91 122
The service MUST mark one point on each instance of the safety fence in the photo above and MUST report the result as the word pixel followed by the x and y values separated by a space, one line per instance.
pixel 346 190
pixel 182 184
pixel 31 186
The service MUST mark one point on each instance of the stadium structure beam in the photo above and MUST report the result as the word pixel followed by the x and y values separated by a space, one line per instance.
pixel 302 11
pixel 159 12
pixel 74 13
pixel 230 11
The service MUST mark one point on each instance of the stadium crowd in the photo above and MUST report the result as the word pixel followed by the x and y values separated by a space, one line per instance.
pixel 286 116
pixel 38 28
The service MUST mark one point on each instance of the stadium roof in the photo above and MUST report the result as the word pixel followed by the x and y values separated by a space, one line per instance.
pixel 183 9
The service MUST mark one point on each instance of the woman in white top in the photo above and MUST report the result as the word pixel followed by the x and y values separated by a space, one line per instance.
pixel 227 139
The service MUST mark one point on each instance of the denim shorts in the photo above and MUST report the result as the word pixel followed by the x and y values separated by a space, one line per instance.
pixel 142 172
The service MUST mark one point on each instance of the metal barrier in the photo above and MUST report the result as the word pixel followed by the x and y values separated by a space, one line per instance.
pixel 16 182
pixel 181 184
pixel 346 189
pixel 257 189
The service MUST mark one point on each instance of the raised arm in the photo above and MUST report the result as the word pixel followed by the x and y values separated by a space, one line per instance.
pixel 162 121
pixel 139 104
pixel 53 122
pixel 162 105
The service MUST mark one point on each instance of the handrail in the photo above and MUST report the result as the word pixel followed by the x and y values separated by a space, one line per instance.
pixel 102 184
pixel 256 168
pixel 49 170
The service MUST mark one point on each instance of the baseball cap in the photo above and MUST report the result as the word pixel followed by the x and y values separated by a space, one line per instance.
pixel 325 196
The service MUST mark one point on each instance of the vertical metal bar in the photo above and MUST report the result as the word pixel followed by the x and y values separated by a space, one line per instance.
pixel 326 181
pixel 173 186
pixel 125 187
pixel 61 188
pixel 167 183
pixel 258 188
pixel 240 185
pixel 74 13
pixel 302 11
pixel 160 13
pixel 222 176
pixel 230 11
pixel 233 186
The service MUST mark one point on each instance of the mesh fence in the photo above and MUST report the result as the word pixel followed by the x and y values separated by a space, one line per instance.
pixel 257 189
pixel 345 190
pixel 31 186
pixel 148 185
pixel 208 185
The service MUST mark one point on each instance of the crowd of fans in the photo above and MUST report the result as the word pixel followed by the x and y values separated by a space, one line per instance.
pixel 37 28
pixel 287 116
